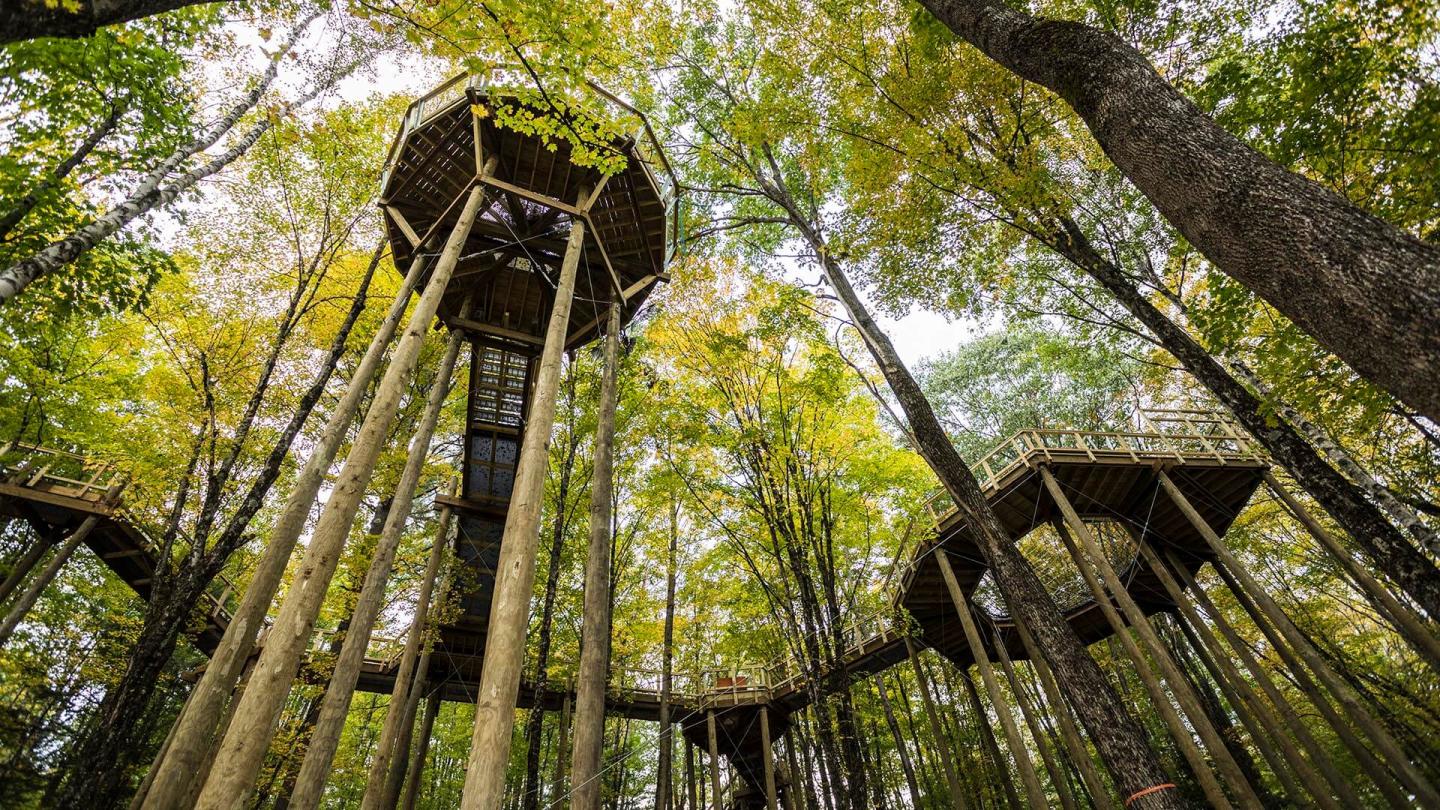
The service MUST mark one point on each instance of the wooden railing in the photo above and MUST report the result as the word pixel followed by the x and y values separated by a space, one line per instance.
pixel 71 475
pixel 1200 435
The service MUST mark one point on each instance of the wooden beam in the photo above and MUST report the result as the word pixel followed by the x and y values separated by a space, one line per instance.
pixel 403 224
pixel 495 182
pixel 468 325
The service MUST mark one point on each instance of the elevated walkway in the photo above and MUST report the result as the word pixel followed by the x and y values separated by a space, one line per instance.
pixel 55 491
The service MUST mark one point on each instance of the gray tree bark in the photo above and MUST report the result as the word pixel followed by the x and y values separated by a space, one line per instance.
pixel 1365 289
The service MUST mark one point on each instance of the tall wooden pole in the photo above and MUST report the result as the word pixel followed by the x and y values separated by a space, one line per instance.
pixel 422 750
pixel 1034 793
pixel 325 739
pixel 932 715
pixel 1294 720
pixel 1412 628
pixel 1179 687
pixel 1390 750
pixel 243 749
pixel 184 763
pixel 28 597
pixel 772 800
pixel 515 573
pixel 1179 732
pixel 25 565
pixel 595 633
pixel 1069 731
pixel 1037 732
pixel 714 741
pixel 382 784
pixel 665 766
pixel 562 752
pixel 1244 697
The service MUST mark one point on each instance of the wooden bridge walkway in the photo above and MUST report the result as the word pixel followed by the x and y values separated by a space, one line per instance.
pixel 55 491
pixel 1110 478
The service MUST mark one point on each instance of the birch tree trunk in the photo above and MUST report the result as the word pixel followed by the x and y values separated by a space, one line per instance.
pixel 150 192
pixel 27 203
pixel 595 632
pixel 243 748
pixel 1366 290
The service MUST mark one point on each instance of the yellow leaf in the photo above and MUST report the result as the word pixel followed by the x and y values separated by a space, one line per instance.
pixel 479 111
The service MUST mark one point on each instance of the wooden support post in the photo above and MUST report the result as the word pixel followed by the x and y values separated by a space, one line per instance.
pixel 1037 732
pixel 25 602
pixel 772 799
pixel 1294 720
pixel 714 759
pixel 387 771
pixel 1412 628
pixel 692 798
pixel 990 749
pixel 1034 793
pixel 562 753
pixel 595 633
pixel 1069 731
pixel 932 716
pixel 1261 720
pixel 422 749
pixel 1179 687
pixel 182 767
pixel 24 565
pixel 1226 563
pixel 1179 733
pixel 243 749
pixel 515 573
pixel 325 739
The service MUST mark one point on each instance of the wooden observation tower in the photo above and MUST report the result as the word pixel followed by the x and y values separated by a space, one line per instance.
pixel 504 286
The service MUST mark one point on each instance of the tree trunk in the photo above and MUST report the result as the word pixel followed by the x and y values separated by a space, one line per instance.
pixel 667 731
pixel 906 766
pixel 1386 546
pixel 245 742
pixel 149 193
pixel 1303 248
pixel 25 564
pixel 595 633
pixel 27 599
pixel 422 749
pixel 1120 740
pixel 27 203
pixel 34 20
pixel 183 763
pixel 315 770
pixel 515 573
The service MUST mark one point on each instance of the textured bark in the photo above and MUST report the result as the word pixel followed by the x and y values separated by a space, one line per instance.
pixel 243 747
pixel 57 175
pixel 1398 511
pixel 33 19
pixel 320 755
pixel 515 573
pixel 1366 290
pixel 595 632
pixel 183 763
pixel 1120 740
pixel 1389 549
pixel 152 190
